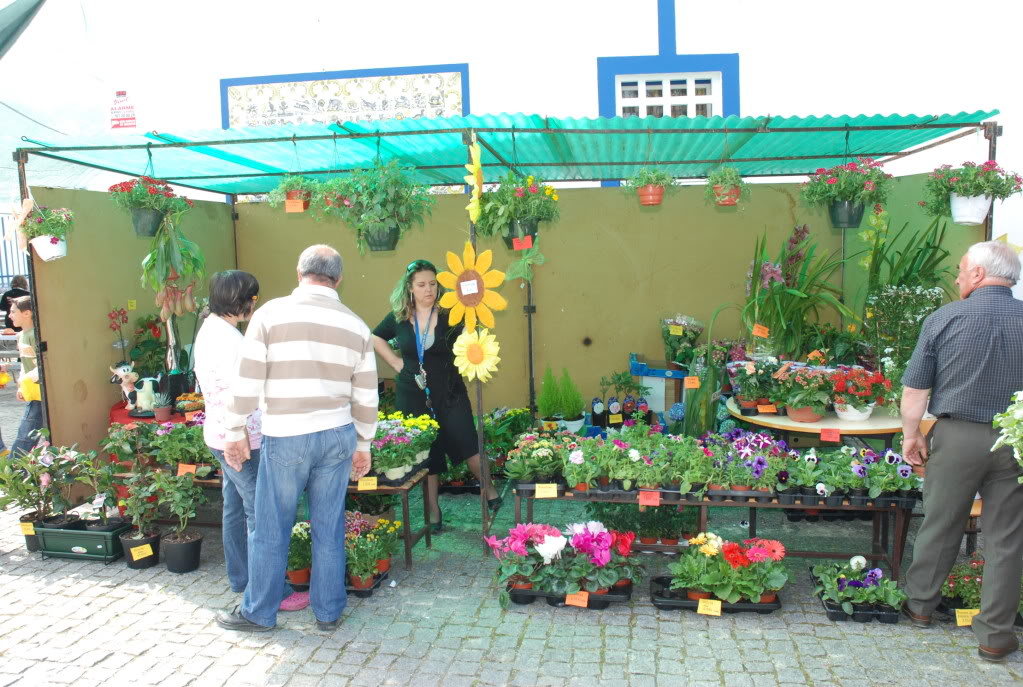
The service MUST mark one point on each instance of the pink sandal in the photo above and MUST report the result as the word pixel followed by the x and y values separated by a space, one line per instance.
pixel 296 602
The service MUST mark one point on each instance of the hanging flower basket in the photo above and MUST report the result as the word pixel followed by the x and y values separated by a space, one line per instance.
pixel 725 186
pixel 49 247
pixel 969 210
pixel 146 221
pixel 297 201
pixel 519 229
pixel 650 194
pixel 382 239
pixel 845 214
pixel 726 197
pixel 295 191
pixel 845 189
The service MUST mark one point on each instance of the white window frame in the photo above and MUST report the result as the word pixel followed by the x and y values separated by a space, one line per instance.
pixel 690 100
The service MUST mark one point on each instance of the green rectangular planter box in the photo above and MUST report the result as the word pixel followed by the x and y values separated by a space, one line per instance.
pixel 81 544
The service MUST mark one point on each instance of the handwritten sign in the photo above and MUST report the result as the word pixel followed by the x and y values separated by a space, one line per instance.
pixel 831 435
pixel 691 382
pixel 144 551
pixel 964 616
pixel 185 469
pixel 709 607
pixel 468 287
pixel 28 528
pixel 580 599
pixel 761 331
pixel 615 419
pixel 675 330
pixel 767 409
pixel 649 498
pixel 294 205
pixel 522 244
pixel 546 491
pixel 367 483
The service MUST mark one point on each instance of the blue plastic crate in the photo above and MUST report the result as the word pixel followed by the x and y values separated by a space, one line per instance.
pixel 637 368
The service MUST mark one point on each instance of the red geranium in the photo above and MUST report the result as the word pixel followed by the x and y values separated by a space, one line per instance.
pixel 859 388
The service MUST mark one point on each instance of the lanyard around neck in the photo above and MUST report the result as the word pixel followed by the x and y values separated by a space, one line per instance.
pixel 421 340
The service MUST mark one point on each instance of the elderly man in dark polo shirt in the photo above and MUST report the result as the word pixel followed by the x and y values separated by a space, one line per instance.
pixel 969 359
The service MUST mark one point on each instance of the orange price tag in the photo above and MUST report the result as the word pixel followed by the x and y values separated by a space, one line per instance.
pixel 546 491
pixel 367 484
pixel 761 331
pixel 615 419
pixel 294 205
pixel 185 468
pixel 523 243
pixel 767 409
pixel 830 435
pixel 580 599
pixel 675 330
pixel 190 415
pixel 709 607
pixel 138 552
pixel 815 355
pixel 691 382
pixel 649 498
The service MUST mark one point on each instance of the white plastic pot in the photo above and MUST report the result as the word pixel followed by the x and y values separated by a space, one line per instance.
pixel 850 414
pixel 574 425
pixel 47 250
pixel 969 210
pixel 394 473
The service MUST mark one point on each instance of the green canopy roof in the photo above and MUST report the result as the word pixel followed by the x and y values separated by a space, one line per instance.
pixel 253 160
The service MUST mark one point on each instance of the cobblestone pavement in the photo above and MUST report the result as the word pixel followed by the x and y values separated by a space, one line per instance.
pixel 85 623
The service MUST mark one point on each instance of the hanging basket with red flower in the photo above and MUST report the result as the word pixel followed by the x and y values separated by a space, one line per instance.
pixel 149 201
pixel 846 188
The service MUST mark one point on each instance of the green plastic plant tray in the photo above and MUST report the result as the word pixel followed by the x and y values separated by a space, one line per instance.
pixel 81 544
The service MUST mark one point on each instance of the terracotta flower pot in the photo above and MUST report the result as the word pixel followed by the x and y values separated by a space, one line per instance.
pixel 648 540
pixel 804 414
pixel 520 582
pixel 300 200
pixel 624 582
pixel 383 565
pixel 726 197
pixel 669 542
pixel 696 594
pixel 741 487
pixel 298 576
pixel 650 194
pixel 361 582
pixel 602 590
pixel 747 402
pixel 457 483
pixel 581 486
pixel 162 414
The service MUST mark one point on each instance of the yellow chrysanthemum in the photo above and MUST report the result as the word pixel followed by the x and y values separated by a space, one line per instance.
pixel 469 285
pixel 708 550
pixel 475 181
pixel 476 354
pixel 698 540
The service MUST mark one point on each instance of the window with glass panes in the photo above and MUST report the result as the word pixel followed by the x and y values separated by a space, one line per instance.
pixel 668 95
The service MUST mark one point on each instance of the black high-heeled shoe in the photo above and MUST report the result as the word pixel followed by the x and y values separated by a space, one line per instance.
pixel 439 525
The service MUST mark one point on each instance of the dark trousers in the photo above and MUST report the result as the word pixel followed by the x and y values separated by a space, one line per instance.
pixel 961 464
pixel 30 422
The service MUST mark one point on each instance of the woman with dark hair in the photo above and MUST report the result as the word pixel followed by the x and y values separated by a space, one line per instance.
pixel 233 297
pixel 19 288
pixel 428 382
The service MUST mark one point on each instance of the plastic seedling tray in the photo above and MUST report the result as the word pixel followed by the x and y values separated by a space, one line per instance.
pixel 666 599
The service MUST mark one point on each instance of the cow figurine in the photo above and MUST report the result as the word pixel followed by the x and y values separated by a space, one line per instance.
pixel 138 394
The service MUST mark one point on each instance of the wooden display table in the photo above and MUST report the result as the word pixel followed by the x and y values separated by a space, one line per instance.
pixel 879 539
pixel 880 425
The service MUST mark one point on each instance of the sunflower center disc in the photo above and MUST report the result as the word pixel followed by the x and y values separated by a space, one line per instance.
pixel 474 297
pixel 474 353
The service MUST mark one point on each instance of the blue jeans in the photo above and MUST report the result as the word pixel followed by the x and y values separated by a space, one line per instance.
pixel 319 463
pixel 30 422
pixel 239 491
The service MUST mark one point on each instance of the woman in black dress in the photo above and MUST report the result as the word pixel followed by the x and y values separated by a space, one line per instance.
pixel 428 381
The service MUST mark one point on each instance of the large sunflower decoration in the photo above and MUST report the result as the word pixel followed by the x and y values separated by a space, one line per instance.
pixel 475 181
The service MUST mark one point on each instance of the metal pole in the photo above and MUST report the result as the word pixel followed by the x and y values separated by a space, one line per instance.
pixel 530 309
pixel 21 158
pixel 991 132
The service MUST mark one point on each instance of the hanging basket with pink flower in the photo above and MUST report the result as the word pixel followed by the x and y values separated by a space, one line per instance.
pixel 966 193
pixel 46 229
pixel 845 189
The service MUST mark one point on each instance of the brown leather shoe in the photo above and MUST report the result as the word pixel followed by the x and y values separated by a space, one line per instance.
pixel 916 620
pixel 993 655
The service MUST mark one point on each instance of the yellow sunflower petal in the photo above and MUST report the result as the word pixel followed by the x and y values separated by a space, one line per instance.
pixel 493 278
pixel 483 261
pixel 447 280
pixel 469 256
pixel 448 300
pixel 456 314
pixel 470 319
pixel 494 300
pixel 483 312
pixel 454 264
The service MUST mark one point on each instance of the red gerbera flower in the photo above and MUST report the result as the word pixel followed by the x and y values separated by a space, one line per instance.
pixel 735 555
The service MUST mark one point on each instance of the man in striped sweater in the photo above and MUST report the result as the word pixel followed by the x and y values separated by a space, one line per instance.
pixel 310 359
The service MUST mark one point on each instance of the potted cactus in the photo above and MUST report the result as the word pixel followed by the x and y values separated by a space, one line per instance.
pixel 162 407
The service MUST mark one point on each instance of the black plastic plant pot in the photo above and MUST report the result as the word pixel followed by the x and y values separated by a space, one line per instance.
pixel 521 599
pixel 763 496
pixel 181 557
pixel 31 540
pixel 146 221
pixel 845 214
pixel 858 496
pixel 382 239
pixel 62 522
pixel 669 492
pixel 749 412
pixel 863 613
pixel 808 496
pixel 886 614
pixel 519 229
pixel 787 497
pixel 143 559
pixel 835 499
pixel 111 525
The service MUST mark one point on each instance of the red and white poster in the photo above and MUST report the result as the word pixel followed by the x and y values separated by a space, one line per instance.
pixel 122 112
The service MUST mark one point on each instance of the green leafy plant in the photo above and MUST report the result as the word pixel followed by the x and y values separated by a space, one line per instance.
pixel 919 261
pixel 809 388
pixel 971 179
pixel 362 553
pixel 679 334
pixel 725 178
pixel 300 547
pixel 650 176
pixel 548 401
pixel 570 400
pixel 162 401
pixel 173 268
pixel 174 443
pixel 180 495
pixel 34 481
pixel 624 383
pixel 141 504
pixel 291 182
pixel 44 221
pixel 383 198
pixel 523 199
pixel 894 318
pixel 1010 428
pixel 853 584
pixel 862 181
pixel 131 443
pixel 98 471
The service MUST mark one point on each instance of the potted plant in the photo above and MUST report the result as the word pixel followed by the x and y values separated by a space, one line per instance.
pixel 845 189
pixel 380 203
pixel 650 185
pixel 548 401
pixel 26 483
pixel 805 474
pixel 300 553
pixel 386 533
pixel 725 187
pixel 362 553
pixel 679 334
pixel 966 192
pixel 173 444
pixel 295 191
pixel 47 230
pixel 851 589
pixel 162 407
pixel 809 395
pixel 180 495
pixel 142 544
pixel 581 468
pixel 149 201
pixel 856 392
pixel 516 208
pixel 700 567
pixel 98 472
pixel 172 269
pixel 571 402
